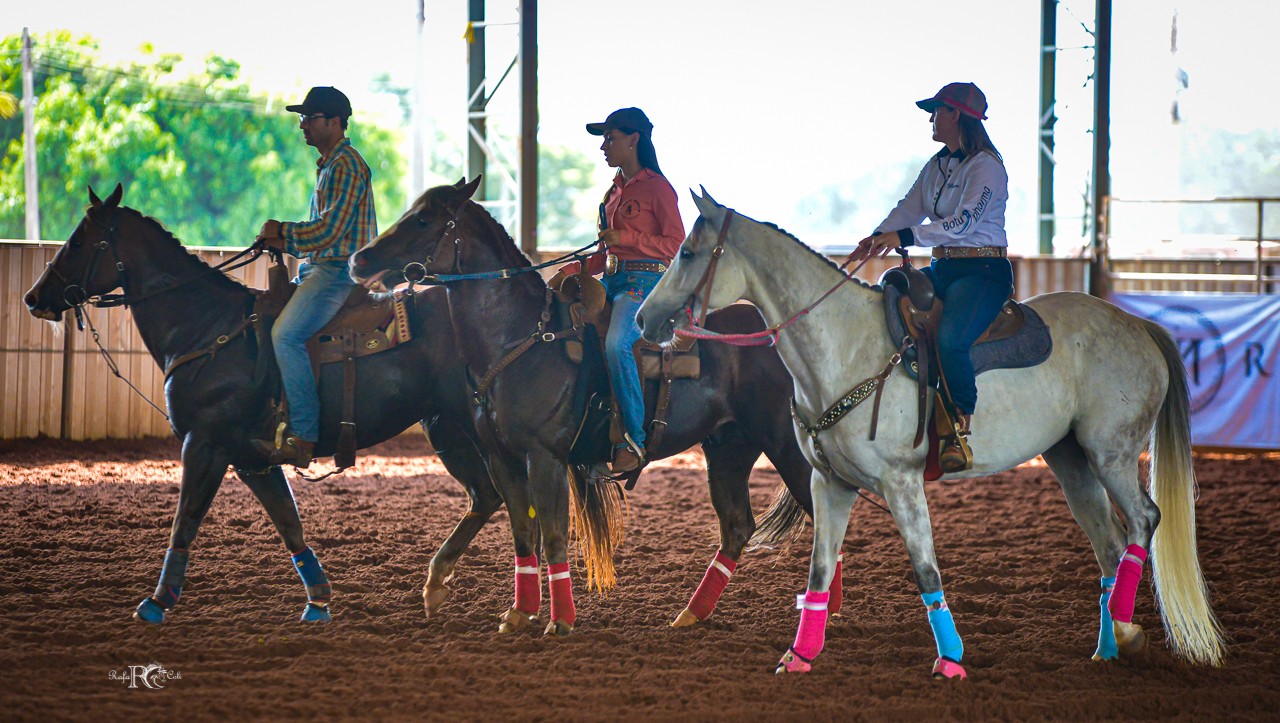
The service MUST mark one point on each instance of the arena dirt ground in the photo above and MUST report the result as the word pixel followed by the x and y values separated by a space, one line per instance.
pixel 84 526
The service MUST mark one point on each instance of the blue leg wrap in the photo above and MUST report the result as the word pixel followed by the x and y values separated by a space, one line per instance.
pixel 172 576
pixel 944 627
pixel 1106 632
pixel 312 574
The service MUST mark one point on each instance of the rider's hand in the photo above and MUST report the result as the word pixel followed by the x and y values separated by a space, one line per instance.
pixel 876 245
pixel 611 237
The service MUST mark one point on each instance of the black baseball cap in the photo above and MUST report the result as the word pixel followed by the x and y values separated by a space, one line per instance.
pixel 628 119
pixel 323 99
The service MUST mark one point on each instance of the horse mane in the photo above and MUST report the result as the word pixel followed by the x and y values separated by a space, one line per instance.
pixel 167 236
pixel 493 227
pixel 785 234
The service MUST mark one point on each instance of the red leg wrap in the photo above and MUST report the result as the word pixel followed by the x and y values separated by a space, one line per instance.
pixel 837 587
pixel 712 585
pixel 528 585
pixel 561 592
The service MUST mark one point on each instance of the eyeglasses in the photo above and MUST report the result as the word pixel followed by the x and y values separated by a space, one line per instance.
pixel 314 116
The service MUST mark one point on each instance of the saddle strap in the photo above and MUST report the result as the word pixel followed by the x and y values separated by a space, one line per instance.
pixel 213 348
pixel 345 454
pixel 658 426
pixel 481 394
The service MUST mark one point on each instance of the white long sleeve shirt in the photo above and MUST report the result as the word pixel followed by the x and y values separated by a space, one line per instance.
pixel 963 199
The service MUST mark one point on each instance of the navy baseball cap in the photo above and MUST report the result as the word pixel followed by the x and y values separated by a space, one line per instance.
pixel 323 99
pixel 629 119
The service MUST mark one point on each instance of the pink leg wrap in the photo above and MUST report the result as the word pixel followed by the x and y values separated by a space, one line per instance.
pixel 1128 575
pixel 813 623
pixel 528 585
pixel 837 587
pixel 712 585
pixel 561 592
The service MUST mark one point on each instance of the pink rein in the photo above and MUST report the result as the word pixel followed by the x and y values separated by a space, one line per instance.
pixel 766 337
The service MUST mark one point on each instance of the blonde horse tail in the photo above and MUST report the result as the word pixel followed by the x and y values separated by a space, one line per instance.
pixel 597 515
pixel 1191 628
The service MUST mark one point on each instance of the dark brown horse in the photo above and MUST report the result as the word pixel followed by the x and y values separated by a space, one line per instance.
pixel 738 408
pixel 216 403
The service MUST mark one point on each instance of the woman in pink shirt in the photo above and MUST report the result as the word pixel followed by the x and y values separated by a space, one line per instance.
pixel 640 232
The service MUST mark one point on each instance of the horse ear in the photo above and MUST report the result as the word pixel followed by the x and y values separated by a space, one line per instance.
pixel 114 199
pixel 470 188
pixel 93 198
pixel 707 205
pixel 461 182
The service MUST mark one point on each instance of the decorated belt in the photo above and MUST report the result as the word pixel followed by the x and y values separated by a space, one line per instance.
pixel 614 264
pixel 970 252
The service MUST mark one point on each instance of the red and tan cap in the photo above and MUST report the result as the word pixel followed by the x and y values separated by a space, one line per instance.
pixel 964 97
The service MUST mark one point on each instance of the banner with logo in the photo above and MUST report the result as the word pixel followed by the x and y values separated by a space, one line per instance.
pixel 1230 344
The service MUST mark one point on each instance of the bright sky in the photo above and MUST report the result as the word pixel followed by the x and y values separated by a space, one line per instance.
pixel 762 102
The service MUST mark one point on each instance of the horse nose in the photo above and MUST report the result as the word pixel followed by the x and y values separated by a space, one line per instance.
pixel 30 300
pixel 640 322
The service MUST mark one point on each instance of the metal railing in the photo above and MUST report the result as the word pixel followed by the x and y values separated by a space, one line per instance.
pixel 1259 278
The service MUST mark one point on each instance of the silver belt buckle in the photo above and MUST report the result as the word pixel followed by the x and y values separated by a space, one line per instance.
pixel 611 264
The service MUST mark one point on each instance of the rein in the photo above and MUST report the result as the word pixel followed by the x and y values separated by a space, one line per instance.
pixel 765 337
pixel 421 276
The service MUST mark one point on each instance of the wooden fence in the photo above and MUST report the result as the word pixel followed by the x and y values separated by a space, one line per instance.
pixel 57 384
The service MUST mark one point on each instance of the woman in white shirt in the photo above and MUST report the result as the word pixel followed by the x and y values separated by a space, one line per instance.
pixel 956 206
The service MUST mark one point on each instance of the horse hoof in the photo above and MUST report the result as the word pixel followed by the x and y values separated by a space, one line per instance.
pixel 149 611
pixel 1098 657
pixel 685 619
pixel 558 628
pixel 943 668
pixel 792 663
pixel 433 598
pixel 1130 640
pixel 513 621
pixel 315 613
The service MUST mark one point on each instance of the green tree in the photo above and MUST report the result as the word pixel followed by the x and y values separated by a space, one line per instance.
pixel 204 154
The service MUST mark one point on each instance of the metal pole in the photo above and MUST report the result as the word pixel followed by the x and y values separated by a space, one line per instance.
pixel 1259 250
pixel 29 140
pixel 477 101
pixel 529 126
pixel 1098 285
pixel 418 181
pixel 1048 91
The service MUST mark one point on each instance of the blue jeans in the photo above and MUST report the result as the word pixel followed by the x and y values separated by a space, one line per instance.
pixel 323 287
pixel 627 290
pixel 972 292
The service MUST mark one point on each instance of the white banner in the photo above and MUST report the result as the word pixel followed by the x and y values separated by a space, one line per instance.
pixel 1229 343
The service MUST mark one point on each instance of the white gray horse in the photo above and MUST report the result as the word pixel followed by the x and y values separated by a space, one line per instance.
pixel 1112 382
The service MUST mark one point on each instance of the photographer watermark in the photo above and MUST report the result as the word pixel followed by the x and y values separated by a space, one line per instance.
pixel 153 676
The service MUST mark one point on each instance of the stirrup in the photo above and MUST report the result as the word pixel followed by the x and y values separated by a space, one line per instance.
pixel 956 456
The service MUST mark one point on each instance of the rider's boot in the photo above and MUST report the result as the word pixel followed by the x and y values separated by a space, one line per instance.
pixel 288 448
pixel 627 457
pixel 956 455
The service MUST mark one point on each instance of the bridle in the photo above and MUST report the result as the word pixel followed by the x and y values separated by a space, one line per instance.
pixel 766 337
pixel 75 296
pixel 415 272
pixel 419 271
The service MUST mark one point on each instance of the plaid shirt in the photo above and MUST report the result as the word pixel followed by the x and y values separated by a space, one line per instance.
pixel 342 214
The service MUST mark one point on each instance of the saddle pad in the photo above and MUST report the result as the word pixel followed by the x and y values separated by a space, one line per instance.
pixel 1027 348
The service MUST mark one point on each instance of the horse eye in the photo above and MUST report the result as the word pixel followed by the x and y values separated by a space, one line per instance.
pixel 422 220
pixel 686 254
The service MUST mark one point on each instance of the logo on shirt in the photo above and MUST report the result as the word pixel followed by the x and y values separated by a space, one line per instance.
pixel 629 208
pixel 960 223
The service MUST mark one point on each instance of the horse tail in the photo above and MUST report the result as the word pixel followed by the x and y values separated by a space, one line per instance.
pixel 1191 628
pixel 597 513
pixel 785 517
